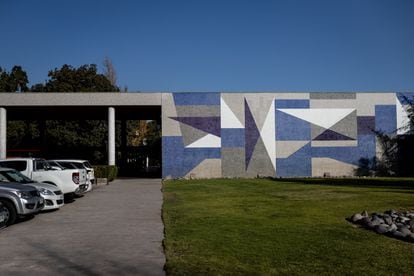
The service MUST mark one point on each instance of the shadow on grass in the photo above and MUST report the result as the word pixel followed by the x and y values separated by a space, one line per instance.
pixel 390 183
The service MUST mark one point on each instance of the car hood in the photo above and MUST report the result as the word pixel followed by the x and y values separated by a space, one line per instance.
pixel 10 186
pixel 47 186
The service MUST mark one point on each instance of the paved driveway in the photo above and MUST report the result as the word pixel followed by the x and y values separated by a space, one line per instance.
pixel 114 230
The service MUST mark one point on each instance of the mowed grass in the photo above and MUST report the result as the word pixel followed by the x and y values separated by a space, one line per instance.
pixel 294 227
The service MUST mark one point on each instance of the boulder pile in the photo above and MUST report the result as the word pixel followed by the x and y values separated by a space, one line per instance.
pixel 399 225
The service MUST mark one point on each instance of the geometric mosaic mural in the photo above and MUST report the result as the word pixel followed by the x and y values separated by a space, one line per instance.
pixel 209 135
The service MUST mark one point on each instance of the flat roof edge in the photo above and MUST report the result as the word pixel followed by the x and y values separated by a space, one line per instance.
pixel 80 99
pixel 116 98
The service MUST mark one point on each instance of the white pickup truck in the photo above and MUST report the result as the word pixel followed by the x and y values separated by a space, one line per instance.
pixel 68 181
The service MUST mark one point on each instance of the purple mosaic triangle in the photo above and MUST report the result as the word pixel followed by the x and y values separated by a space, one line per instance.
pixel 251 133
pixel 207 124
pixel 331 135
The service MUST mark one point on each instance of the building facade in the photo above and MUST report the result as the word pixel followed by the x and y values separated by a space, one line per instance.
pixel 211 135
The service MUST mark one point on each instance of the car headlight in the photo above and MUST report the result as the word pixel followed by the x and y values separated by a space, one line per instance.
pixel 44 191
pixel 24 195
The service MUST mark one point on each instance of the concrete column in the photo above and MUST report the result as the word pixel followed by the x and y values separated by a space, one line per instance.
pixel 3 133
pixel 111 136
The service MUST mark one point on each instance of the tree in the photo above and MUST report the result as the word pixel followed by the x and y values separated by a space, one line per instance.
pixel 142 132
pixel 397 151
pixel 110 72
pixel 4 81
pixel 15 81
pixel 19 80
pixel 366 167
pixel 69 79
pixel 39 87
pixel 409 127
pixel 87 135
pixel 387 164
pixel 400 148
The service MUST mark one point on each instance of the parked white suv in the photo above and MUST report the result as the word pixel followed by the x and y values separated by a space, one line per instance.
pixel 57 166
pixel 68 181
pixel 78 164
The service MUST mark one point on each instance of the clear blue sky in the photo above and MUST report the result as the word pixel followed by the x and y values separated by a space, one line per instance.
pixel 349 45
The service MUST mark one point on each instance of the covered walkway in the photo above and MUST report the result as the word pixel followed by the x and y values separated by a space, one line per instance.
pixel 109 107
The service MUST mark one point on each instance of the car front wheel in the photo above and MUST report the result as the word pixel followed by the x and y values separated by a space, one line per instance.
pixel 7 212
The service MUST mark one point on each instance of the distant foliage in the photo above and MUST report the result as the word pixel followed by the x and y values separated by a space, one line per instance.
pixel 90 134
pixel 106 171
pixel 14 81
pixel 142 132
pixel 366 167
pixel 85 78
pixel 69 79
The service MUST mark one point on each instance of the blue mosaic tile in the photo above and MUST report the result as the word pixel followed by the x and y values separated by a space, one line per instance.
pixel 232 138
pixel 178 161
pixel 193 98
pixel 385 118
pixel 290 128
pixel 292 104
pixel 351 155
pixel 298 164
pixel 366 124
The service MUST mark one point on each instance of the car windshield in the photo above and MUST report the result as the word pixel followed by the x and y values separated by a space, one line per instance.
pixel 87 164
pixel 41 165
pixel 66 165
pixel 55 164
pixel 14 176
pixel 78 165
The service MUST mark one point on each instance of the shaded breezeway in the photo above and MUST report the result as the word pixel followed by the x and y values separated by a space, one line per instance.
pixel 44 126
pixel 114 230
pixel 112 110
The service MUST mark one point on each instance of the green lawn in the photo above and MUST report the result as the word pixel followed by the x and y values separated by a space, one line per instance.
pixel 294 227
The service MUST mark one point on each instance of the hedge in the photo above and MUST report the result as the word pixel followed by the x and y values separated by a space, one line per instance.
pixel 106 171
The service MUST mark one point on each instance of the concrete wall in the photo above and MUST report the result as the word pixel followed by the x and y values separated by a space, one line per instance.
pixel 208 135
pixel 80 99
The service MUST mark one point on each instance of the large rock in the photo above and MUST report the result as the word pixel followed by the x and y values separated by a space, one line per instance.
pixel 387 219
pixel 402 219
pixel 389 212
pixel 405 231
pixel 392 228
pixel 365 221
pixel 377 221
pixel 370 225
pixel 398 235
pixel 391 223
pixel 356 217
pixel 382 228
pixel 399 224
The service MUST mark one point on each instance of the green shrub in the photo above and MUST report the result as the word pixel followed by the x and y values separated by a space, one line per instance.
pixel 113 173
pixel 106 171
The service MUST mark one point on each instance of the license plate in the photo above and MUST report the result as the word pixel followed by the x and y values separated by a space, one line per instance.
pixel 41 201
